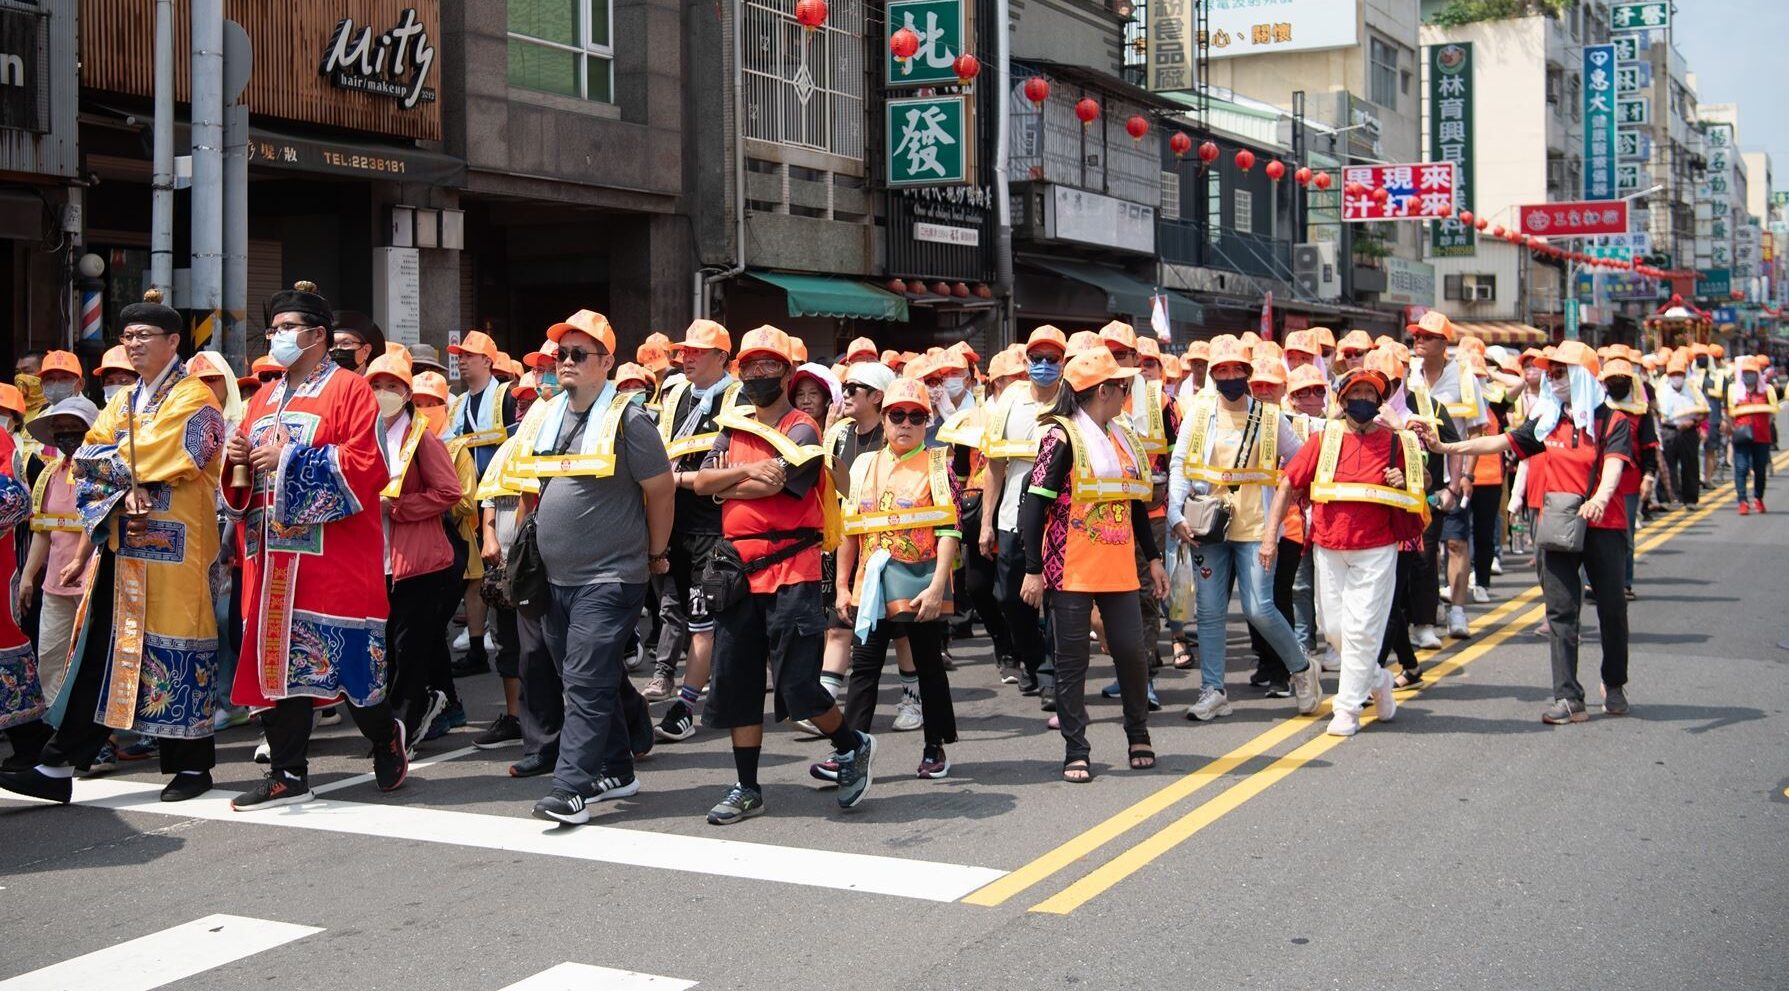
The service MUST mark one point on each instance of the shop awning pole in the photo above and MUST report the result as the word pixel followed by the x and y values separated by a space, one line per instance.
pixel 161 199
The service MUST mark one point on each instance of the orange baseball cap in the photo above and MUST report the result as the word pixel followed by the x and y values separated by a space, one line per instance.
pixel 860 346
pixel 544 357
pixel 1006 363
pixel 652 356
pixel 115 360
pixel 907 392
pixel 952 360
pixel 1364 374
pixel 61 361
pixel 629 371
pixel 1355 340
pixel 429 385
pixel 1148 348
pixel 1227 349
pixel 475 342
pixel 1267 351
pixel 1083 340
pixel 968 352
pixel 12 399
pixel 1475 362
pixel 526 387
pixel 1386 364
pixel 1575 353
pixel 1433 324
pixel 907 356
pixel 1047 337
pixel 766 342
pixel 659 338
pixel 1699 349
pixel 1305 377
pixel 200 366
pixel 1119 334
pixel 390 366
pixel 1616 367
pixel 1650 362
pixel 588 321
pixel 1717 350
pixel 893 359
pixel 1304 342
pixel 1678 363
pixel 265 364
pixel 1530 355
pixel 706 335
pixel 1473 344
pixel 1323 336
pixel 1272 372
pixel 798 349
pixel 918 368
pixel 1196 351
pixel 1171 368
pixel 1093 366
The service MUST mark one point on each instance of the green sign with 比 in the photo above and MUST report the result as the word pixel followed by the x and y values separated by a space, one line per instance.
pixel 1450 140
pixel 928 141
pixel 942 28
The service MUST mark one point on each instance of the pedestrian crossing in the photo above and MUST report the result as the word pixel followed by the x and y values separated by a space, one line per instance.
pixel 180 952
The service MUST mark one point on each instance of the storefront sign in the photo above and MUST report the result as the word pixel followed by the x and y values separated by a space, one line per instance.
pixel 1643 16
pixel 1599 122
pixel 1169 55
pixel 928 141
pixel 1575 219
pixel 1620 247
pixel 1711 282
pixel 24 99
pixel 1632 77
pixel 1271 27
pixel 395 63
pixel 397 293
pixel 1450 140
pixel 1628 177
pixel 1092 218
pixel 1408 283
pixel 1633 144
pixel 365 161
pixel 1423 191
pixel 942 27
pixel 1633 112
pixel 945 234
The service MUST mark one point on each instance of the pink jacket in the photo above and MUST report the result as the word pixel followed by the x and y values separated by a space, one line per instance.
pixel 431 487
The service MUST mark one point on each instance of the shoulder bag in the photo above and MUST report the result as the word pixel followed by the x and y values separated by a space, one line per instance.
pixel 527 573
pixel 1208 515
pixel 1560 527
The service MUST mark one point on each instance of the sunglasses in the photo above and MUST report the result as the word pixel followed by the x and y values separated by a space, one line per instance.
pixel 1123 354
pixel 577 356
pixel 933 383
pixel 1044 358
pixel 1313 393
pixel 902 417
pixel 854 388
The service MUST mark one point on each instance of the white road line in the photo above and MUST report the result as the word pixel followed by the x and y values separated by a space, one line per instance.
pixel 583 977
pixel 361 779
pixel 163 957
pixel 920 879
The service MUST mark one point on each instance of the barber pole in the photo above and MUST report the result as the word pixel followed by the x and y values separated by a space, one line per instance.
pixel 92 315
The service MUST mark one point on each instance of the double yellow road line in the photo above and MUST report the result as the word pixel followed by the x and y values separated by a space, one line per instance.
pixel 1504 622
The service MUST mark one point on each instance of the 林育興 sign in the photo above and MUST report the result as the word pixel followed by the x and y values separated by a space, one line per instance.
pixel 1450 140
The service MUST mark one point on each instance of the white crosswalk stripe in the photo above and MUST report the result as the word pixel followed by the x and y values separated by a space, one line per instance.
pixel 584 977
pixel 161 958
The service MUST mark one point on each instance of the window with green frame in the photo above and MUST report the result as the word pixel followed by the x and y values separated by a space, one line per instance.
pixel 563 47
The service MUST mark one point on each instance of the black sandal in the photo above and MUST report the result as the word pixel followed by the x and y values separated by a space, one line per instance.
pixel 1183 656
pixel 1080 768
pixel 1408 678
pixel 1142 760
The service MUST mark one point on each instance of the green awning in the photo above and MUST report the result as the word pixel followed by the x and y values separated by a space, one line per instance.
pixel 830 296
pixel 1125 293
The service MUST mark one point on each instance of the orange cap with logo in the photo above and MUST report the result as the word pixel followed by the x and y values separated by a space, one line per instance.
pixel 706 335
pixel 893 359
pixel 1433 324
pixel 1047 337
pixel 1678 363
pixel 588 321
pixel 1148 348
pixel 1119 334
pixel 1386 363
pixel 390 366
pixel 1227 349
pixel 1093 366
pixel 1324 337
pixel 1305 377
pixel 1616 368
pixel 1084 340
pixel 430 384
pixel 963 348
pixel 543 358
pixel 766 342
pixel 12 399
pixel 652 356
pixel 61 361
pixel 1304 342
pixel 907 392
pixel 200 366
pixel 860 348
pixel 263 365
pixel 636 374
pixel 475 342
pixel 951 360
pixel 1575 353
pixel 798 349
pixel 1355 340
pixel 115 360
pixel 1172 370
pixel 1006 363
pixel 1196 351
pixel 1473 344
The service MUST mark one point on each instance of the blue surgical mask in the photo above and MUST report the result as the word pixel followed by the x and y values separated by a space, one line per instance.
pixel 285 348
pixel 1044 373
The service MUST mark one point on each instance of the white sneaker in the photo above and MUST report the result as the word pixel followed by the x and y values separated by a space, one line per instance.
pixel 490 642
pixel 1385 705
pixel 1497 566
pixel 1344 723
pixel 1332 661
pixel 1456 623
pixel 1212 703
pixel 331 716
pixel 908 714
pixel 1425 638
pixel 264 753
pixel 464 640
pixel 1307 687
pixel 1481 594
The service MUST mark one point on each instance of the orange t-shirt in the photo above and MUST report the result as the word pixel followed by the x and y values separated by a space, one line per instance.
pixel 783 511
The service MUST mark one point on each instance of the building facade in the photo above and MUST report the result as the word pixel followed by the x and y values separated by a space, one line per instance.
pixel 41 185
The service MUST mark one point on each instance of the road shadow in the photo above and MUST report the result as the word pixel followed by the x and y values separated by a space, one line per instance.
pixel 1710 717
pixel 91 837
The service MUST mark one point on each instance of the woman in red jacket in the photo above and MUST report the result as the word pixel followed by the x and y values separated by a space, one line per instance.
pixel 419 563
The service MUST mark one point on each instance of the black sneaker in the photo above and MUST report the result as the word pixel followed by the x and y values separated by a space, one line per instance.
pixel 187 785
pixel 277 789
pixel 391 763
pixel 433 706
pixel 741 803
pixel 639 732
pixel 933 764
pixel 1278 690
pixel 33 783
pixel 562 806
pixel 1008 668
pixel 1027 682
pixel 505 731
pixel 1046 698
pixel 679 723
pixel 532 765
pixel 614 786
pixel 856 771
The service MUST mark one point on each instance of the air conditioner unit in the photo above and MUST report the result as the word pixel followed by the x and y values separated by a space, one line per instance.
pixel 1314 271
pixel 1482 293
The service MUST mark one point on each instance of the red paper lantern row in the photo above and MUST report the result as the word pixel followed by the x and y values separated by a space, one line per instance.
pixel 903 44
pixel 1302 176
pixel 967 67
pixel 1136 126
pixel 1180 144
pixel 810 14
pixel 1037 89
pixel 1087 110
pixel 1208 152
pixel 1245 160
pixel 1276 170
pixel 1322 180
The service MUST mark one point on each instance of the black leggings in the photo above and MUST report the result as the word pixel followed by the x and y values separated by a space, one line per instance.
pixel 414 634
pixel 288 729
pixel 976 584
pixel 1072 613
pixel 868 657
pixel 1485 504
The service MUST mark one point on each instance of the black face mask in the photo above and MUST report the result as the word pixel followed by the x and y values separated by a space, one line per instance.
pixel 1362 411
pixel 68 443
pixel 1618 389
pixel 1232 389
pixel 1702 362
pixel 763 392
pixel 345 357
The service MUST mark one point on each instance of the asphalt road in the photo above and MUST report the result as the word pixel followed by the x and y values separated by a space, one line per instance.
pixel 1464 846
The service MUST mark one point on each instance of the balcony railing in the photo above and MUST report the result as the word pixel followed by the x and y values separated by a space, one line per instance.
pixel 1188 242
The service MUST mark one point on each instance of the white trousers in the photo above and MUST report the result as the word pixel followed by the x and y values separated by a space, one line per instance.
pixel 1354 591
pixel 55 628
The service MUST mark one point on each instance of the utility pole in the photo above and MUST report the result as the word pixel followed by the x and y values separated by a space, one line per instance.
pixel 161 203
pixel 239 58
pixel 208 169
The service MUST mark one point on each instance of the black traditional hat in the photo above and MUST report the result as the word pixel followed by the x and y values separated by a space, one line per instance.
pixel 153 312
pixel 302 298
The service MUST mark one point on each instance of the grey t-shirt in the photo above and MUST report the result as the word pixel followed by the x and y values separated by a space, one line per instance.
pixel 592 531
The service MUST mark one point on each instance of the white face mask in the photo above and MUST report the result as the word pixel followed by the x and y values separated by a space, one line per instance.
pixel 112 390
pixel 1562 388
pixel 285 348
pixel 55 392
pixel 938 397
pixel 956 385
pixel 1677 381
pixel 389 402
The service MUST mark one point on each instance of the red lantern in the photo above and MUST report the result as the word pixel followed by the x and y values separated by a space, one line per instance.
pixel 1276 170
pixel 1302 176
pixel 941 289
pixel 1380 196
pixel 1136 126
pixel 960 290
pixel 1466 217
pixel 810 14
pixel 1208 152
pixel 1497 231
pixel 903 44
pixel 1482 223
pixel 1736 295
pixel 967 68
pixel 1180 143
pixel 1087 109
pixel 1322 180
pixel 1037 89
pixel 897 286
pixel 983 291
pixel 1245 160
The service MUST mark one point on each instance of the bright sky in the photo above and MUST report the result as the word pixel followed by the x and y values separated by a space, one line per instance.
pixel 1735 48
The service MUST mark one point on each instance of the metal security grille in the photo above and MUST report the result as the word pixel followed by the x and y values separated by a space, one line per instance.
pixel 802 89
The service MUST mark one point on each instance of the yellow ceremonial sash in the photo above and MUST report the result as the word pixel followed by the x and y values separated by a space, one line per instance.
pixel 1089 487
pixel 1410 498
pixel 599 463
pixel 996 444
pixel 793 453
pixel 942 511
pixel 1467 407
pixel 964 427
pixel 682 447
pixel 1153 428
pixel 1736 408
pixel 1265 471
pixel 490 436
pixel 412 438
pixel 46 522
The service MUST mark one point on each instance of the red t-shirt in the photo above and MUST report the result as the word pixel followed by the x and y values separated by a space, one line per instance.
pixel 797 506
pixel 1353 526
pixel 1759 422
pixel 1567 459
